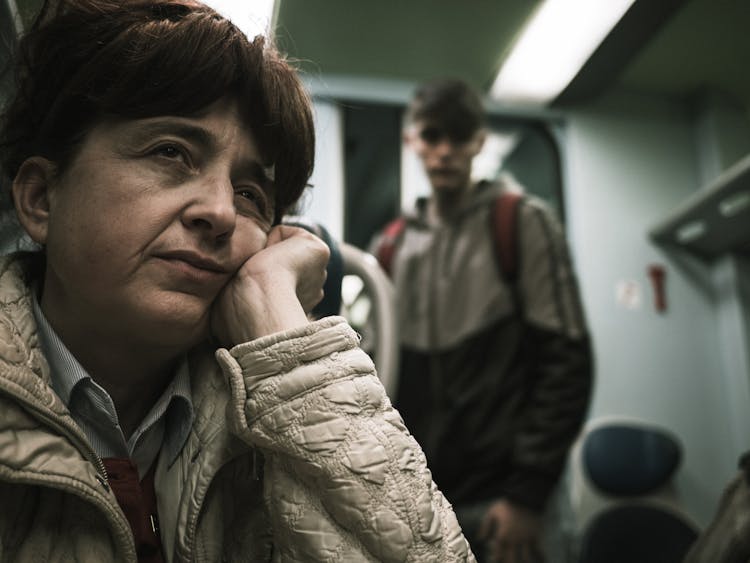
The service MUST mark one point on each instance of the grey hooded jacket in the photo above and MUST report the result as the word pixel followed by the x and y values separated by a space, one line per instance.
pixel 495 377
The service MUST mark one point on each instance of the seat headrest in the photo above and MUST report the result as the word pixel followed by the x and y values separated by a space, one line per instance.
pixel 627 460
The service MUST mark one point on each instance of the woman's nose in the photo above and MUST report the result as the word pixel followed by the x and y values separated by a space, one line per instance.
pixel 212 210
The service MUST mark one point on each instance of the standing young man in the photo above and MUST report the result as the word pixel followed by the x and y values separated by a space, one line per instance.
pixel 495 374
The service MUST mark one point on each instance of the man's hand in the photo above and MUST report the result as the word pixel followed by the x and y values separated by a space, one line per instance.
pixel 512 533
pixel 274 289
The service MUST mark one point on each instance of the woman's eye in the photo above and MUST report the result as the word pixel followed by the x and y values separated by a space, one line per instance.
pixel 172 152
pixel 253 198
pixel 248 194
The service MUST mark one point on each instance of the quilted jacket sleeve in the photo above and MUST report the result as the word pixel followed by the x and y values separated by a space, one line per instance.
pixel 344 479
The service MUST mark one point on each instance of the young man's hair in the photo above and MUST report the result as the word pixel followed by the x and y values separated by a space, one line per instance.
pixel 450 104
pixel 86 60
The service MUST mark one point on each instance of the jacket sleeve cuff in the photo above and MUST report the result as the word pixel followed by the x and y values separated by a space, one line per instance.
pixel 271 371
pixel 528 488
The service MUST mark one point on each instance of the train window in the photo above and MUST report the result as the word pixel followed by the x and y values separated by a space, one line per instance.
pixel 382 176
pixel 7 40
pixel 8 230
pixel 372 160
pixel 531 156
pixel 13 17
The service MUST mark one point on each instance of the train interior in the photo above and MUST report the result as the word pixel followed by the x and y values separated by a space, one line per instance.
pixel 643 151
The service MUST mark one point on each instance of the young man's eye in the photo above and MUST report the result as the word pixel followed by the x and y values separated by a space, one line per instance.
pixel 431 135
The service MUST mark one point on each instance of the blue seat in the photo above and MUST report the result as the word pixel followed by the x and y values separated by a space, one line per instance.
pixel 628 463
pixel 636 534
pixel 626 460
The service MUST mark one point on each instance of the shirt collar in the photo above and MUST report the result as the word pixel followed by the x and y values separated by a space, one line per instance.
pixel 67 374
pixel 65 370
pixel 180 414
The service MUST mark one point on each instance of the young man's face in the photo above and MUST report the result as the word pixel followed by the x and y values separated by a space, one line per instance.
pixel 446 158
pixel 150 222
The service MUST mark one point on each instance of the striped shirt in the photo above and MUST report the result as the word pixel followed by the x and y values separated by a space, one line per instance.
pixel 166 426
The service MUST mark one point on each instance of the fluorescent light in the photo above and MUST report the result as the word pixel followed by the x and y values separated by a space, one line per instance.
pixel 557 41
pixel 253 17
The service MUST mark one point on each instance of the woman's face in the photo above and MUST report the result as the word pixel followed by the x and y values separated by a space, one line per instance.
pixel 149 223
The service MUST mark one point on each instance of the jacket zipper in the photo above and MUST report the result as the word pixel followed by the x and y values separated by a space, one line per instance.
pixel 79 441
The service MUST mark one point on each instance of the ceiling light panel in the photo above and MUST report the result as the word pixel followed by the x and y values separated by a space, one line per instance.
pixel 557 41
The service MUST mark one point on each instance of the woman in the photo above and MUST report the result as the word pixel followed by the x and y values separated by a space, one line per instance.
pixel 162 394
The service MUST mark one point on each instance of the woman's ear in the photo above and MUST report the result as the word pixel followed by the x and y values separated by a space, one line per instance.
pixel 31 188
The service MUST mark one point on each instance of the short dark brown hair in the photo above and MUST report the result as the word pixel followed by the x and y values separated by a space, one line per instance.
pixel 86 60
pixel 449 103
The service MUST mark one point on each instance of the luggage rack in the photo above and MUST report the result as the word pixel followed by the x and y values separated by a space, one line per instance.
pixel 713 221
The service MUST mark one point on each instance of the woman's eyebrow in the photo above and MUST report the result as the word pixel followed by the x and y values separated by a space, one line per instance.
pixel 144 132
pixel 256 171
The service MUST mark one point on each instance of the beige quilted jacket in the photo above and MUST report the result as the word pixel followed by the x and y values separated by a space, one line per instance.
pixel 300 457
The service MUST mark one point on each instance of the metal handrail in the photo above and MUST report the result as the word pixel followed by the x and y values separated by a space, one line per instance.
pixel 380 288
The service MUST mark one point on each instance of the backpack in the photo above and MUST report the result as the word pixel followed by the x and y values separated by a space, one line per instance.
pixel 503 219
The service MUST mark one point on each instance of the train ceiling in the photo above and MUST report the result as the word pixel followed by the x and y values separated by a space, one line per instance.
pixel 668 47
pixel 401 40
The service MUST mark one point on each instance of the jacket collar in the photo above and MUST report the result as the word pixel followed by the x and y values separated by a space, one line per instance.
pixel 24 372
pixel 481 193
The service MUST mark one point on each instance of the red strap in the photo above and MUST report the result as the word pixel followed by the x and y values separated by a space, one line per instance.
pixel 387 247
pixel 504 212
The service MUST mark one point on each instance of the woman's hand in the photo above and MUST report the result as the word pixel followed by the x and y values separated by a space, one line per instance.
pixel 274 289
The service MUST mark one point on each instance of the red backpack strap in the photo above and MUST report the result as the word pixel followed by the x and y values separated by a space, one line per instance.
pixel 388 242
pixel 504 218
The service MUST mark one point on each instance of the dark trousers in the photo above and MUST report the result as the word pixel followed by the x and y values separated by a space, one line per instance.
pixel 470 518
